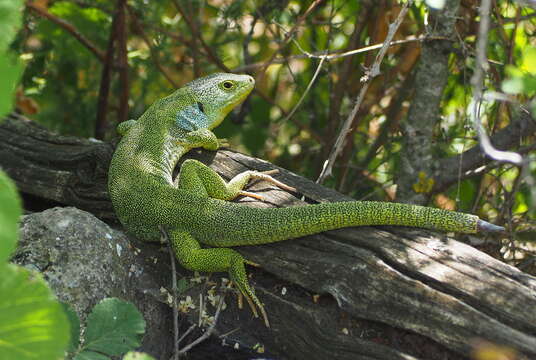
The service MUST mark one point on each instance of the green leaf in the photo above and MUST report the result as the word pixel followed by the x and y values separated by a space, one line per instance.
pixel 10 72
pixel 33 324
pixel 114 327
pixel 10 18
pixel 10 212
pixel 74 322
pixel 90 355
pixel 513 85
pixel 134 355
pixel 528 62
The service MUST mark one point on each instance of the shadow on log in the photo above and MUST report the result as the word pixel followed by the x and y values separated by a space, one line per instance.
pixel 385 292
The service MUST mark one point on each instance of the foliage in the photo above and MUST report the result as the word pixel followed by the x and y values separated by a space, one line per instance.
pixel 522 78
pixel 113 328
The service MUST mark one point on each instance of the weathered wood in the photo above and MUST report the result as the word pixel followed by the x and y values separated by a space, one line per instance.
pixel 411 280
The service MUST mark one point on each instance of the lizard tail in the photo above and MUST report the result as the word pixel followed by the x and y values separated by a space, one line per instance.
pixel 239 225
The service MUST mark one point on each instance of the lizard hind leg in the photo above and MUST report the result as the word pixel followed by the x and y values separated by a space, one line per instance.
pixel 190 255
pixel 196 176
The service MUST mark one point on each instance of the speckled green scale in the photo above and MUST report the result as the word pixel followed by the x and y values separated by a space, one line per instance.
pixel 195 207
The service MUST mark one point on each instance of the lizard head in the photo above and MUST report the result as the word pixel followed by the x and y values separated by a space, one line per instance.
pixel 217 94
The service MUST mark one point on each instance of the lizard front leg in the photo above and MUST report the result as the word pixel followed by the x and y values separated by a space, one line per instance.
pixel 191 256
pixel 202 138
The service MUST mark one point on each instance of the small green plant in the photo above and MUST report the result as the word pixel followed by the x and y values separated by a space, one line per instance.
pixel 114 327
pixel 133 355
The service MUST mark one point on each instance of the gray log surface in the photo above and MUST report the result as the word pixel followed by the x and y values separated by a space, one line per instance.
pixel 408 280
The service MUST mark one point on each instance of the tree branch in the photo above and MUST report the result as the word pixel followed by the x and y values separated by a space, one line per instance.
pixel 69 28
pixel 106 74
pixel 208 50
pixel 523 125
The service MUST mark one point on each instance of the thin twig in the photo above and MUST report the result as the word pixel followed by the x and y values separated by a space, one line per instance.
pixel 190 329
pixel 374 71
pixel 306 90
pixel 174 295
pixel 338 55
pixel 68 27
pixel 477 81
pixel 288 36
pixel 211 328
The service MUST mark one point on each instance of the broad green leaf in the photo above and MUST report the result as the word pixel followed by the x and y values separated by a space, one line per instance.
pixel 74 322
pixel 513 85
pixel 114 327
pixel 90 355
pixel 33 324
pixel 10 72
pixel 10 211
pixel 134 355
pixel 528 63
pixel 10 17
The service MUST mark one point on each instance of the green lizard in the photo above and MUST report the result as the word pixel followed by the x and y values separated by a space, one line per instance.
pixel 195 207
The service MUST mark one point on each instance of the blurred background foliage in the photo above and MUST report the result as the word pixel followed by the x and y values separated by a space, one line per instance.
pixel 64 46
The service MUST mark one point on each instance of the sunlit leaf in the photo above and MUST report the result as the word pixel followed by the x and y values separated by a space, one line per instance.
pixel 33 324
pixel 10 212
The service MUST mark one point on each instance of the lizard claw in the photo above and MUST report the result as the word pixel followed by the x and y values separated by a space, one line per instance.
pixel 251 195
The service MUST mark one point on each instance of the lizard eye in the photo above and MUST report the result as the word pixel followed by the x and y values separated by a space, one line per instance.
pixel 227 84
pixel 201 107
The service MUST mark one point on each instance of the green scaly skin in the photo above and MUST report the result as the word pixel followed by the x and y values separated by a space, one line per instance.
pixel 195 207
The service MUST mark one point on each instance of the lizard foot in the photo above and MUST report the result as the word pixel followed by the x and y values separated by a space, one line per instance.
pixel 223 142
pixel 265 176
pixel 237 273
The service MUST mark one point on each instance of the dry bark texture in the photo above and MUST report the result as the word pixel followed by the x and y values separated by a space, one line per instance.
pixel 401 293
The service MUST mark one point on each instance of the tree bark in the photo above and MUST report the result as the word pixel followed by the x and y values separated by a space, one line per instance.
pixel 431 77
pixel 386 292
